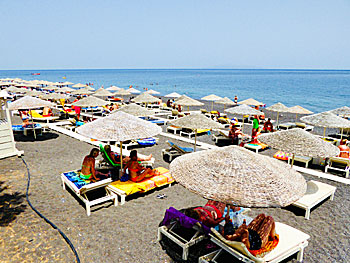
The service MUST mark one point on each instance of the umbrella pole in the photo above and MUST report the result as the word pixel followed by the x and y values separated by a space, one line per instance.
pixel 324 132
pixel 242 123
pixel 31 116
pixel 278 114
pixel 341 136
pixel 195 139
pixel 212 105
pixel 121 159
pixel 296 117
pixel 292 160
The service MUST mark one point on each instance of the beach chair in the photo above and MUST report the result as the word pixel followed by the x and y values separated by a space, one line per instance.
pixel 190 133
pixel 291 241
pixel 222 137
pixel 316 193
pixel 81 188
pixel 175 151
pixel 123 189
pixel 203 111
pixel 339 164
pixel 302 159
pixel 173 115
pixel 286 126
pixel 256 146
pixel 38 117
pixel 173 129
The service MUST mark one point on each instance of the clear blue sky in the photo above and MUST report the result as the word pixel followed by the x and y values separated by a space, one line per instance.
pixel 65 34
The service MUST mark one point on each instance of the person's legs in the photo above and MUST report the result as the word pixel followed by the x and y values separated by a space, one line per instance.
pixel 102 175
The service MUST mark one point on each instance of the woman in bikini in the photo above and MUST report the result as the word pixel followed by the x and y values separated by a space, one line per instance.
pixel 136 171
pixel 88 171
pixel 116 157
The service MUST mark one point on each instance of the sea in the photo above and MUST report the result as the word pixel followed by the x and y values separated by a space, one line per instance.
pixel 316 90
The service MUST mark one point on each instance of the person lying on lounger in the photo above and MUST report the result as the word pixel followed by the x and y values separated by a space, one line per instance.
pixel 88 171
pixel 211 214
pixel 47 112
pixel 136 171
pixel 116 157
pixel 344 150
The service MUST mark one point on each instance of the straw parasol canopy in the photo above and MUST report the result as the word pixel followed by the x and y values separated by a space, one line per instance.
pixel 187 101
pixel 278 107
pixel 134 91
pixel 145 98
pixel 225 101
pixel 151 91
pixel 326 120
pixel 136 110
pixel 251 102
pixel 244 110
pixel 212 98
pixel 33 93
pixel 90 101
pixel 238 176
pixel 299 110
pixel 343 111
pixel 103 93
pixel 14 89
pixel 4 95
pixel 79 85
pixel 50 88
pixel 82 91
pixel 122 92
pixel 195 122
pixel 90 88
pixel 113 88
pixel 299 142
pixel 28 102
pixel 119 126
pixel 65 89
pixel 54 96
pixel 173 95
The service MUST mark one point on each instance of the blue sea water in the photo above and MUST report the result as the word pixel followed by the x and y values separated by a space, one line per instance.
pixel 316 90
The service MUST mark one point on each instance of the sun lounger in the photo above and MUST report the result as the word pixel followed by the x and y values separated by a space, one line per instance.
pixel 255 146
pixel 81 187
pixel 38 117
pixel 339 164
pixel 124 189
pixel 286 126
pixel 316 193
pixel 190 133
pixel 291 241
pixel 222 137
pixel 173 129
pixel 302 159
pixel 19 128
pixel 175 151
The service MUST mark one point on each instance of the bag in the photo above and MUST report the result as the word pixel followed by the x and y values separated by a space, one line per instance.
pixel 125 177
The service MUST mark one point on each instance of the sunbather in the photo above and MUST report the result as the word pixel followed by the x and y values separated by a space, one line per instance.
pixel 344 149
pixel 88 171
pixel 268 127
pixel 211 214
pixel 47 112
pixel 116 157
pixel 138 172
pixel 234 133
pixel 256 234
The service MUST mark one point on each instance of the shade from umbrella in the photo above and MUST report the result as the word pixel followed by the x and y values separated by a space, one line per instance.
pixel 195 122
pixel 238 176
pixel 113 88
pixel 225 101
pixel 173 95
pixel 145 98
pixel 103 93
pixel 251 102
pixel 134 91
pixel 152 92
pixel 82 91
pixel 278 107
pixel 90 101
pixel 343 111
pixel 136 110
pixel 122 92
pixel 299 142
pixel 79 85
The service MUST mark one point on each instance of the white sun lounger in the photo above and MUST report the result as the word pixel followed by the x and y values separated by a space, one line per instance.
pixel 316 192
pixel 302 159
pixel 291 241
pixel 339 164
pixel 81 193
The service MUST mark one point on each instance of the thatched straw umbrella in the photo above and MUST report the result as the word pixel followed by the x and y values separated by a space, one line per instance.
pixel 299 142
pixel 122 92
pixel 136 110
pixel 14 89
pixel 145 98
pixel 83 91
pixel 54 96
pixel 242 110
pixel 50 88
pixel 134 91
pixel 278 107
pixel 343 111
pixel 299 110
pixel 187 101
pixel 225 101
pixel 113 88
pixel 119 126
pixel 29 103
pixel 79 85
pixel 212 98
pixel 173 95
pixel 90 88
pixel 103 93
pixel 326 120
pixel 34 93
pixel 238 176
pixel 195 122
pixel 152 92
pixel 65 89
pixel 251 102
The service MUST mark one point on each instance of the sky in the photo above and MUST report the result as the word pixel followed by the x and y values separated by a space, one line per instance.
pixel 90 34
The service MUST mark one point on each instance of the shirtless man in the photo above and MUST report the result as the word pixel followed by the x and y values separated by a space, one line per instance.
pixel 88 171
pixel 116 157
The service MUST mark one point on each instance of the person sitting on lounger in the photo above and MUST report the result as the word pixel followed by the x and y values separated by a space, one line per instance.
pixel 268 127
pixel 211 214
pixel 136 171
pixel 88 171
pixel 47 112
pixel 234 133
pixel 344 149
pixel 116 157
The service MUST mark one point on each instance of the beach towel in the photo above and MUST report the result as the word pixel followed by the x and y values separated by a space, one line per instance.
pixel 166 173
pixel 130 187
pixel 281 156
